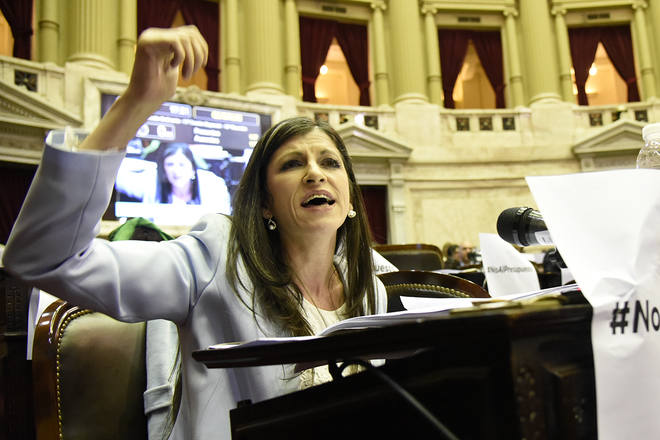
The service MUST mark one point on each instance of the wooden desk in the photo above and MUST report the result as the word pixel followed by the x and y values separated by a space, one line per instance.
pixel 490 374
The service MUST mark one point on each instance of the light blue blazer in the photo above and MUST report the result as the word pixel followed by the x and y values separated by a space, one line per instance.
pixel 53 246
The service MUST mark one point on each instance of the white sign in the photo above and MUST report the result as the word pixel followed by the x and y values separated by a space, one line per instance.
pixel 507 270
pixel 605 225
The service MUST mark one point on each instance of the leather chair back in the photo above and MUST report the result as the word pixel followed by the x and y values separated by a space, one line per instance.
pixel 412 256
pixel 426 284
pixel 89 376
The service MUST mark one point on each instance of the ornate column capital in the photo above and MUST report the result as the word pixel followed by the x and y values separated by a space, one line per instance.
pixel 510 12
pixel 558 10
pixel 378 4
pixel 428 9
pixel 640 4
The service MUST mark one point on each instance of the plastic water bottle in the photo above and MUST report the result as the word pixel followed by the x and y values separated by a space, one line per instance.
pixel 649 154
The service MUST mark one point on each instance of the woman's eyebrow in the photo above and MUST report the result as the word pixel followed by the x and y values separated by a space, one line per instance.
pixel 290 153
pixel 299 153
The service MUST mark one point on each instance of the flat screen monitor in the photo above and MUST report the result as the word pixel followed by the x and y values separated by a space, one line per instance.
pixel 185 161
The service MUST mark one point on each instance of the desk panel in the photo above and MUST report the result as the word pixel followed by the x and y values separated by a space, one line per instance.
pixel 519 372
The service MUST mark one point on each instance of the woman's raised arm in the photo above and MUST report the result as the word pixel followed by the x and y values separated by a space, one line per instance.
pixel 52 244
pixel 159 55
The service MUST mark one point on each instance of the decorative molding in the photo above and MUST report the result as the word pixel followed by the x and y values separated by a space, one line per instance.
pixel 25 118
pixel 356 10
pixel 371 173
pixel 572 5
pixel 31 105
pixel 378 4
pixel 367 143
pixel 510 12
pixel 473 6
pixel 192 95
pixel 558 10
pixel 640 4
pixel 429 10
pixel 614 146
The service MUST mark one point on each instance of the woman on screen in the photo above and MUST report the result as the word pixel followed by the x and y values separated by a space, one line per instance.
pixel 177 177
pixel 294 258
pixel 174 179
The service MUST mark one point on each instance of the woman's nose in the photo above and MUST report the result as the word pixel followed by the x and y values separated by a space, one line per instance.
pixel 314 173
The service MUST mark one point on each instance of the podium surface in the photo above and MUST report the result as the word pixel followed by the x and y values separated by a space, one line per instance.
pixel 491 373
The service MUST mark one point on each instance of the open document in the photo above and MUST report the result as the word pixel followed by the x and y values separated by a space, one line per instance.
pixel 416 308
pixel 606 227
pixel 341 339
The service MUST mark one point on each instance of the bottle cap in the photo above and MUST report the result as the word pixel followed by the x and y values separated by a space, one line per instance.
pixel 651 131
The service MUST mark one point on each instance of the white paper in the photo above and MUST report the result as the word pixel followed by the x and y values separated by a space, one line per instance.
pixel 507 270
pixel 605 225
pixel 260 342
pixel 430 305
pixel 424 304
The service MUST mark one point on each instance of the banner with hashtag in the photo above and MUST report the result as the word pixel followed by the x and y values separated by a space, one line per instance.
pixel 604 224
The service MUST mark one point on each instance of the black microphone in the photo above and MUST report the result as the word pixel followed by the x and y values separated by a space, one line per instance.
pixel 523 227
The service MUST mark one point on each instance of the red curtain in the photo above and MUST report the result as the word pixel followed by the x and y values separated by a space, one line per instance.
pixel 453 47
pixel 375 203
pixel 584 42
pixel 156 13
pixel 201 13
pixel 315 39
pixel 353 41
pixel 489 48
pixel 18 14
pixel 204 15
pixel 14 181
pixel 618 45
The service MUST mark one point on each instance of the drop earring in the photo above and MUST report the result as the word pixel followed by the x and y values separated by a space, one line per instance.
pixel 270 224
pixel 351 213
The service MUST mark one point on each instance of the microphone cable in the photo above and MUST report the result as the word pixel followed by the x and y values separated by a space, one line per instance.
pixel 336 372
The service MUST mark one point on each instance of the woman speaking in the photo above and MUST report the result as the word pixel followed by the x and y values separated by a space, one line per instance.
pixel 294 258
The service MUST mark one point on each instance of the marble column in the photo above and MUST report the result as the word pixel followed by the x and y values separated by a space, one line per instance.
pixel 229 27
pixel 127 35
pixel 433 78
pixel 515 75
pixel 49 31
pixel 379 60
pixel 91 41
pixel 539 51
pixel 645 63
pixel 397 203
pixel 292 69
pixel 565 60
pixel 263 46
pixel 406 47
pixel 654 13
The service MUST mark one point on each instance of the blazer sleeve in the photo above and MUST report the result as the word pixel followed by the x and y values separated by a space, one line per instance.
pixel 53 246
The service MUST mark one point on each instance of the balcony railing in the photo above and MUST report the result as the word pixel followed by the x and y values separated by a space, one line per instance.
pixel 484 120
pixel 47 80
pixel 463 126
pixel 590 117
pixel 375 118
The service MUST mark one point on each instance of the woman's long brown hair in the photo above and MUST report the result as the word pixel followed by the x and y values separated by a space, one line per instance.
pixel 273 292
